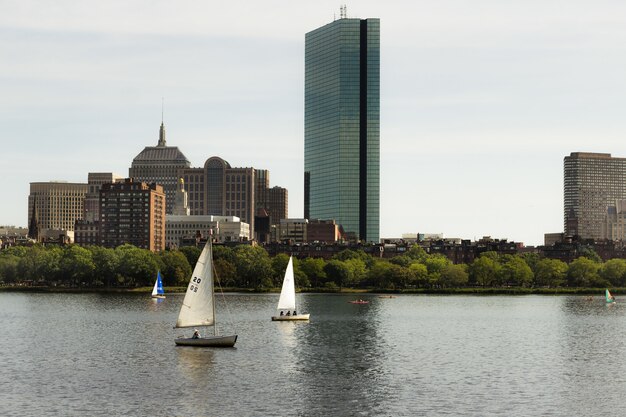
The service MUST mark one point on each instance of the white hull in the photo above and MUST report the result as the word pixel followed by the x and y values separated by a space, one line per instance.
pixel 209 341
pixel 158 296
pixel 291 318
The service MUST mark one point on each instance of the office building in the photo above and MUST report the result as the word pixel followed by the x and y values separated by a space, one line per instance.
pixel 592 182
pixel 220 190
pixel 55 206
pixel 160 165
pixel 95 180
pixel 342 125
pixel 614 227
pixel 132 212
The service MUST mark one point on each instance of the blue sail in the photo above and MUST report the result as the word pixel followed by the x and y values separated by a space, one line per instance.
pixel 159 284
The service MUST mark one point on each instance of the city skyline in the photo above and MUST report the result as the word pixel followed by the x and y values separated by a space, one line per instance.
pixel 479 103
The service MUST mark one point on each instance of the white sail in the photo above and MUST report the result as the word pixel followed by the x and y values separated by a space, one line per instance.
pixel 287 300
pixel 155 290
pixel 197 308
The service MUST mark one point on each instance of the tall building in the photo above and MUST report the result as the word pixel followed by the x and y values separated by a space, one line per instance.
pixel 132 212
pixel 342 125
pixel 57 205
pixel 592 183
pixel 278 204
pixel 160 164
pixel 95 180
pixel 220 190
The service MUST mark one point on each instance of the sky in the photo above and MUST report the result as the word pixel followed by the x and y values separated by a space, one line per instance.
pixel 480 100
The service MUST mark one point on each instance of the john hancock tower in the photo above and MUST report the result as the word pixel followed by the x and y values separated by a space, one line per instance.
pixel 342 126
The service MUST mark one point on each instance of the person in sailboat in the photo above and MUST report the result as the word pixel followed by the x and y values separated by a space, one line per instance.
pixel 196 334
pixel 289 313
pixel 294 313
pixel 282 313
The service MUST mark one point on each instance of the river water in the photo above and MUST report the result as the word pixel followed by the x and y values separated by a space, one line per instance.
pixel 114 355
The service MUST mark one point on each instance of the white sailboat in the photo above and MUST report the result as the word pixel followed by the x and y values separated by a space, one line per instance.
pixel 287 301
pixel 157 291
pixel 198 307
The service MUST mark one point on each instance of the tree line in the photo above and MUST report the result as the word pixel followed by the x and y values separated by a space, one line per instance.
pixel 250 267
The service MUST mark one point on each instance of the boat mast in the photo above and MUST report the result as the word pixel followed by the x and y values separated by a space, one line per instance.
pixel 212 282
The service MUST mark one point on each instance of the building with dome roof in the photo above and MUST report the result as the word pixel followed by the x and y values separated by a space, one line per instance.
pixel 160 164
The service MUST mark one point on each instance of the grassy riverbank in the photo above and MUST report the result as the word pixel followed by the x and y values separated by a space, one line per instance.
pixel 415 291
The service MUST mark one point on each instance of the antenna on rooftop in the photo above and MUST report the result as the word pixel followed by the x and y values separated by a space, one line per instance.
pixel 162 106
pixel 343 13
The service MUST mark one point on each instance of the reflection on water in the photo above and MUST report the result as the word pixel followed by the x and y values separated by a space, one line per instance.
pixel 99 354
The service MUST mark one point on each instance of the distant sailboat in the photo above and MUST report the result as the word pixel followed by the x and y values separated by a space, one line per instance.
pixel 198 307
pixel 609 297
pixel 287 300
pixel 157 291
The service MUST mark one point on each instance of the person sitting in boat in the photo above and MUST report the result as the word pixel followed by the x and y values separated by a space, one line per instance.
pixel 282 313
pixel 196 334
pixel 288 313
pixel 294 313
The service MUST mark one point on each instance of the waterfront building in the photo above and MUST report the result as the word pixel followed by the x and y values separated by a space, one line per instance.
pixel 54 207
pixel 342 125
pixel 132 212
pixel 615 226
pixel 87 232
pixel 592 182
pixel 179 228
pixel 290 230
pixel 278 204
pixel 160 164
pixel 92 198
pixel 220 190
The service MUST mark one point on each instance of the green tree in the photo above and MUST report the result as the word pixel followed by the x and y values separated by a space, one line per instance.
pixel 106 263
pixel 176 269
pixel 484 271
pixel 435 264
pixel 313 268
pixel 614 271
pixel 418 274
pixel 583 272
pixel 192 253
pixel 254 267
pixel 77 266
pixel 515 271
pixel 358 272
pixel 453 276
pixel 337 272
pixel 381 274
pixel 279 266
pixel 226 273
pixel 137 267
pixel 9 267
pixel 416 252
pixel 550 272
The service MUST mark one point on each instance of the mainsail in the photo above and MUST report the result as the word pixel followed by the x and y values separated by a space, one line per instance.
pixel 158 285
pixel 287 300
pixel 197 308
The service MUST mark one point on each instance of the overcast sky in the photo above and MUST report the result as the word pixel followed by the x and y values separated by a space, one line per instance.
pixel 480 100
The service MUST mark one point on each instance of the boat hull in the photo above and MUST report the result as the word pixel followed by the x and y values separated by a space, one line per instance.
pixel 158 296
pixel 291 318
pixel 209 341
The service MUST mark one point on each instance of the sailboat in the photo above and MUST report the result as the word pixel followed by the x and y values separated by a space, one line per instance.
pixel 157 291
pixel 609 297
pixel 198 307
pixel 287 300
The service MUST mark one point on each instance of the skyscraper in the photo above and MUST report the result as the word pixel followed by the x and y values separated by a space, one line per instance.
pixel 342 125
pixel 592 183
pixel 160 164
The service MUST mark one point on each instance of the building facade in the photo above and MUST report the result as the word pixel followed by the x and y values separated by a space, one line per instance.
pixel 592 182
pixel 160 165
pixel 56 205
pixel 225 229
pixel 218 189
pixel 278 204
pixel 342 126
pixel 95 180
pixel 615 225
pixel 132 212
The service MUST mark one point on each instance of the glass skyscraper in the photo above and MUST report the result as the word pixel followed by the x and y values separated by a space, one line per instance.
pixel 342 126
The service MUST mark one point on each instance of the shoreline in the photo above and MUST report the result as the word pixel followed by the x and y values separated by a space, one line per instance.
pixel 417 291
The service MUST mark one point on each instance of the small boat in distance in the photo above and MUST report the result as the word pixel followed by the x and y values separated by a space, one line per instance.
pixel 386 296
pixel 610 299
pixel 287 300
pixel 157 291
pixel 359 301
pixel 198 307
